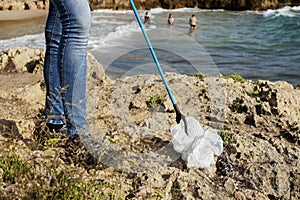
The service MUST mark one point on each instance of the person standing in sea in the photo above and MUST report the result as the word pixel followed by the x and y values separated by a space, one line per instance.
pixel 193 21
pixel 170 19
pixel 67 32
pixel 146 18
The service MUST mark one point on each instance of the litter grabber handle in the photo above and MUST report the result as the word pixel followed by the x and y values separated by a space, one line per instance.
pixel 178 113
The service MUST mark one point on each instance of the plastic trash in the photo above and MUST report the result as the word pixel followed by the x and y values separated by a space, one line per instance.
pixel 198 146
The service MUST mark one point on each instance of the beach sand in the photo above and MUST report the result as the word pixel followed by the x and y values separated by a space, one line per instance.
pixel 20 23
pixel 21 15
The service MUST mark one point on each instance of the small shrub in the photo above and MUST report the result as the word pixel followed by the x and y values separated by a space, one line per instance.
pixel 235 106
pixel 258 83
pixel 199 75
pixel 160 194
pixel 52 142
pixel 253 94
pixel 48 182
pixel 228 138
pixel 155 100
pixel 14 169
pixel 237 78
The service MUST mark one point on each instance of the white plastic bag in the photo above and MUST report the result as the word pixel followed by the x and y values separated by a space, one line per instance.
pixel 197 146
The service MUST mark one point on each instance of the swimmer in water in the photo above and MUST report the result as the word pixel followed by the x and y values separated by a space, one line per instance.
pixel 146 18
pixel 193 21
pixel 170 19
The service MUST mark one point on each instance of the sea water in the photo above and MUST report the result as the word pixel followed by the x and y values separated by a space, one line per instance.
pixel 256 45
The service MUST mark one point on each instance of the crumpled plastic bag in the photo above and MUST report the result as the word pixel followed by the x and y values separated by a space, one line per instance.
pixel 197 146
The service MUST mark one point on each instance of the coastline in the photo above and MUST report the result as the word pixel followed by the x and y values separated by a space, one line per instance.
pixel 23 22
pixel 33 29
pixel 21 15
pixel 167 4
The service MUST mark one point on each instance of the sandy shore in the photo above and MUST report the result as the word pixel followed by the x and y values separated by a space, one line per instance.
pixel 21 15
pixel 20 23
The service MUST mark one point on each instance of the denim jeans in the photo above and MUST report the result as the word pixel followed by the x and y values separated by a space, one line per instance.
pixel 66 33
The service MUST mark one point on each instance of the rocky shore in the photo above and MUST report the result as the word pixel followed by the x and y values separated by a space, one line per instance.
pixel 258 121
pixel 167 4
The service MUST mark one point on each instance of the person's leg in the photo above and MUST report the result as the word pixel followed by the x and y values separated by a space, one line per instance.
pixel 53 105
pixel 75 17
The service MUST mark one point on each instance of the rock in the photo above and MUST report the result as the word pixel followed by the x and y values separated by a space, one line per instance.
pixel 261 160
pixel 96 73
pixel 203 4
pixel 29 5
pixel 23 4
pixel 230 186
pixel 9 128
pixel 21 59
pixel 166 4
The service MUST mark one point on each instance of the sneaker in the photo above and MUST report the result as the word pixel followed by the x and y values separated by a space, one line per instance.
pixel 54 128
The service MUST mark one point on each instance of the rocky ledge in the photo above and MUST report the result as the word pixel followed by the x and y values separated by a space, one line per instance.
pixel 258 121
pixel 167 4
pixel 203 4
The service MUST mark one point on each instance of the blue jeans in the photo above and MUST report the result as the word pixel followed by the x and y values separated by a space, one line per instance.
pixel 67 32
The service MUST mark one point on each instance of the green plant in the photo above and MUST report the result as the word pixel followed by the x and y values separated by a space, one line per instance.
pixel 14 168
pixel 237 78
pixel 111 140
pixel 228 137
pixel 199 75
pixel 253 94
pixel 51 142
pixel 258 83
pixel 235 106
pixel 155 100
pixel 160 194
pixel 48 181
pixel 133 165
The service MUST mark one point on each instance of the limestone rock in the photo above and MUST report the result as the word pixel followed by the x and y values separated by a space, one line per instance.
pixel 166 4
pixel 261 160
pixel 23 4
pixel 230 186
pixel 21 59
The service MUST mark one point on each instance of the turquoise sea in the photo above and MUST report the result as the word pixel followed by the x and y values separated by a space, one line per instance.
pixel 256 45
